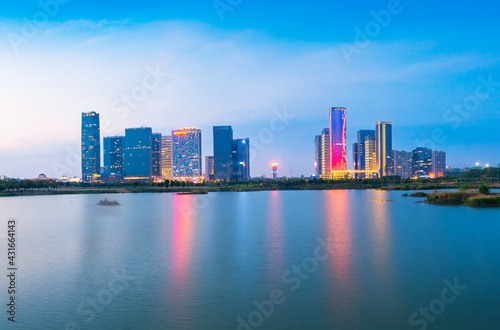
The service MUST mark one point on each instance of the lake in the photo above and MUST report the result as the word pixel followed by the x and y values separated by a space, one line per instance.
pixel 267 260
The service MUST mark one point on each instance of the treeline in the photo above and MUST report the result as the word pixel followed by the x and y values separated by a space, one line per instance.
pixel 28 185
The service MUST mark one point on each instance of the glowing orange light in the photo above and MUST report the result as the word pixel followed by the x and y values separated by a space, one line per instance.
pixel 180 133
pixel 274 164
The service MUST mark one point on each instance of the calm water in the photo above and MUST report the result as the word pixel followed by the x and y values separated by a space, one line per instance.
pixel 161 261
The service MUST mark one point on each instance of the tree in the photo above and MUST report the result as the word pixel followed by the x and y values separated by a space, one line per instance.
pixel 166 183
pixel 484 189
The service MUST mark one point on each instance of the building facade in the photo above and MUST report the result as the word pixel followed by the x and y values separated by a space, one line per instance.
pixel 421 162
pixel 370 156
pixel 209 168
pixel 241 159
pixel 91 146
pixel 438 163
pixel 360 161
pixel 187 154
pixel 317 156
pixel 274 171
pixel 156 154
pixel 383 138
pixel 138 153
pixel 223 152
pixel 113 155
pixel 338 139
pixel 402 163
pixel 325 152
pixel 167 157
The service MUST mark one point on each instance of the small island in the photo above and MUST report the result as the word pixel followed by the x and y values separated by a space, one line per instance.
pixel 105 202
pixel 465 196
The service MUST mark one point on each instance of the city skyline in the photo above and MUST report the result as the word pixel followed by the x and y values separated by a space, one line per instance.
pixel 199 70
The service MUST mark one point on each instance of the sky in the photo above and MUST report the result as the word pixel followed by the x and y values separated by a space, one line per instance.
pixel 271 70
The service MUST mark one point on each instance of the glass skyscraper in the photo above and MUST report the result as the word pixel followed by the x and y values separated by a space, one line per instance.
pixel 138 152
pixel 223 150
pixel 338 139
pixel 325 152
pixel 402 163
pixel 113 155
pixel 241 159
pixel 438 163
pixel 187 163
pixel 383 138
pixel 91 146
pixel 422 162
pixel 360 161
pixel 156 154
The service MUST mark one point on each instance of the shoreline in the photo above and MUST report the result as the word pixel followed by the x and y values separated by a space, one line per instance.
pixel 236 188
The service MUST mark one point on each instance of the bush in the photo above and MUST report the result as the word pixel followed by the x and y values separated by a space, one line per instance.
pixel 464 187
pixel 484 189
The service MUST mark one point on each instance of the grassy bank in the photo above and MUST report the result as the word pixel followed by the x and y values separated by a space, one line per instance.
pixel 465 197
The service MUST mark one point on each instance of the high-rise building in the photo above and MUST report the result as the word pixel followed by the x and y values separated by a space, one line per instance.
pixel 167 157
pixel 325 152
pixel 138 152
pixel 362 134
pixel 156 154
pixel 317 156
pixel 383 137
pixel 422 162
pixel 91 146
pixel 355 152
pixel 187 154
pixel 402 161
pixel 338 139
pixel 223 151
pixel 209 168
pixel 113 155
pixel 438 163
pixel 370 156
pixel 241 159
pixel 274 171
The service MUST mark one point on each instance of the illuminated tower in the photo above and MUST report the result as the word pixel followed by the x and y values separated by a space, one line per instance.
pixel 370 156
pixel 166 157
pixel 187 154
pixel 223 152
pixel 156 154
pixel 325 152
pixel 274 171
pixel 383 138
pixel 338 139
pixel 91 146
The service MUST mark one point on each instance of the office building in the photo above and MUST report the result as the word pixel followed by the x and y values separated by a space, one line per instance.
pixel 156 154
pixel 362 134
pixel 317 156
pixel 241 159
pixel 113 155
pixel 325 152
pixel 355 152
pixel 383 138
pixel 338 139
pixel 223 151
pixel 91 146
pixel 138 153
pixel 167 157
pixel 209 168
pixel 187 154
pixel 438 163
pixel 421 162
pixel 370 157
pixel 402 163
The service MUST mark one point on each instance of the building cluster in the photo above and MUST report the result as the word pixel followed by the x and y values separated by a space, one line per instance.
pixel 141 155
pixel 373 156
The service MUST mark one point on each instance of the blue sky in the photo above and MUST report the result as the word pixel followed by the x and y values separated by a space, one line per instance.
pixel 420 68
